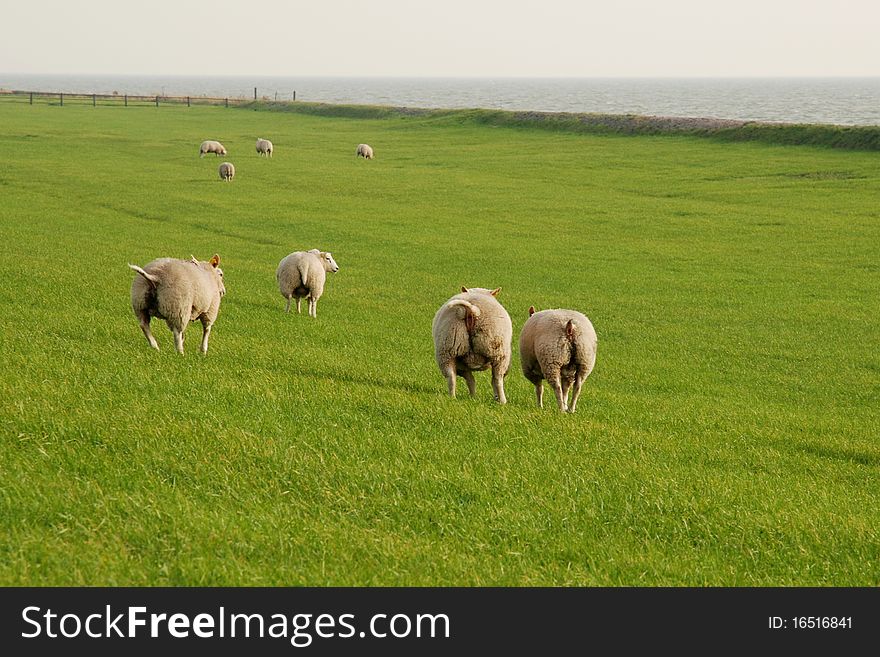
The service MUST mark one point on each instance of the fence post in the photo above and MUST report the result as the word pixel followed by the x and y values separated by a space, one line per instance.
pixel 126 100
pixel 227 102
pixel 32 98
pixel 62 99
pixel 255 93
pixel 294 95
pixel 187 101
pixel 94 100
pixel 157 101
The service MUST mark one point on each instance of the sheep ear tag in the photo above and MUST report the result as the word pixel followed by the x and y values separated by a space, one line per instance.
pixel 215 260
pixel 495 292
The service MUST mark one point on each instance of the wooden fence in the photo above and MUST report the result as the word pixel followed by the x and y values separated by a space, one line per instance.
pixel 125 100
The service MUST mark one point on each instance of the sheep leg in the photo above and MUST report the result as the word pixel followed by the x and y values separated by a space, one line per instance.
pixel 566 386
pixel 206 331
pixel 313 307
pixel 449 373
pixel 579 381
pixel 498 384
pixel 299 305
pixel 554 380
pixel 145 327
pixel 178 340
pixel 468 376
pixel 287 310
pixel 539 393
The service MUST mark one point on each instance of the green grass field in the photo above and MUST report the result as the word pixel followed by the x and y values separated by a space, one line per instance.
pixel 728 435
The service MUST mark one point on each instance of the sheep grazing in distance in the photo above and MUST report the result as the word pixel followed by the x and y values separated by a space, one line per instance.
pixel 560 346
pixel 365 151
pixel 472 332
pixel 264 147
pixel 302 274
pixel 211 147
pixel 226 171
pixel 180 292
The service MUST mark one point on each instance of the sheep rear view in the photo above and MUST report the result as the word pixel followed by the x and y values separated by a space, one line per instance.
pixel 264 147
pixel 211 146
pixel 180 292
pixel 226 171
pixel 559 346
pixel 302 274
pixel 472 332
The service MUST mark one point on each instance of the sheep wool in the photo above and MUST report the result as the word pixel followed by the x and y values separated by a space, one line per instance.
pixel 264 147
pixel 180 292
pixel 302 274
pixel 226 171
pixel 365 151
pixel 472 332
pixel 210 146
pixel 559 346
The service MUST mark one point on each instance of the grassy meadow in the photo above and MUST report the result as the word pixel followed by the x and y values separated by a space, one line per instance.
pixel 728 435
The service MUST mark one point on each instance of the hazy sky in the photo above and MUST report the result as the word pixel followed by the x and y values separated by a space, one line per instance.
pixel 443 37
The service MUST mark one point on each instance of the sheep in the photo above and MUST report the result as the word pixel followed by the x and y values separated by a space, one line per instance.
pixel 264 147
pixel 211 147
pixel 472 332
pixel 560 346
pixel 180 292
pixel 226 171
pixel 365 151
pixel 302 274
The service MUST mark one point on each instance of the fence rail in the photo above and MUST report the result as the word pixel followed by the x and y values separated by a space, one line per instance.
pixel 60 97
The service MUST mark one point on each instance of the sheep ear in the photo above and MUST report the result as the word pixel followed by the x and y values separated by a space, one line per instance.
pixel 193 260
pixel 531 310
pixel 463 288
pixel 495 292
pixel 215 260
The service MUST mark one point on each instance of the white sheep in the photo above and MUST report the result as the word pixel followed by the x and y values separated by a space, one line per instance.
pixel 211 147
pixel 226 171
pixel 365 151
pixel 180 292
pixel 472 332
pixel 302 274
pixel 560 346
pixel 264 147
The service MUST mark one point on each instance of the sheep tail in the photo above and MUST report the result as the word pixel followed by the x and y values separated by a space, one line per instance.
pixel 572 336
pixel 303 273
pixel 150 277
pixel 471 312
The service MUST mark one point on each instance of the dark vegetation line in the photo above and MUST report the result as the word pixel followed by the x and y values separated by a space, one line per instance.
pixel 863 138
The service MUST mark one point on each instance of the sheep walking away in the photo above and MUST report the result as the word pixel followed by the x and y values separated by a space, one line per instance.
pixel 302 274
pixel 226 171
pixel 264 147
pixel 559 346
pixel 180 292
pixel 472 332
